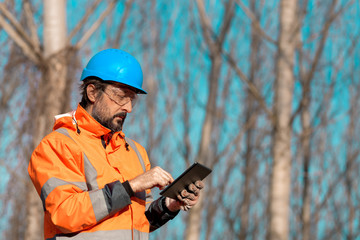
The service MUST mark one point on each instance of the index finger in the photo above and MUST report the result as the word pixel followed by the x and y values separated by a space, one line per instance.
pixel 165 174
pixel 171 179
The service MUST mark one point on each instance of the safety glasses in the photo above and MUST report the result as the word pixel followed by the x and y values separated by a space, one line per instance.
pixel 121 97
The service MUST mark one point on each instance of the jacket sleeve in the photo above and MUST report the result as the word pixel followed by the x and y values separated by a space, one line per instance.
pixel 55 169
pixel 158 214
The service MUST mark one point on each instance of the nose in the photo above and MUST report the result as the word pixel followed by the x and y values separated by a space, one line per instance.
pixel 127 107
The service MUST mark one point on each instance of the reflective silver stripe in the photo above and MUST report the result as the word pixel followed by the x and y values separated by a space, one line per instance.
pixel 53 183
pixel 99 204
pixel 140 235
pixel 63 131
pixel 90 171
pixel 133 146
pixel 101 235
pixel 140 195
pixel 90 174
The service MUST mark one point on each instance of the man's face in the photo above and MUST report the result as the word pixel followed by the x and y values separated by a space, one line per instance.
pixel 112 105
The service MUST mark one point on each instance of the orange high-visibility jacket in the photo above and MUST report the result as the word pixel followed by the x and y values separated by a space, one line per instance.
pixel 80 172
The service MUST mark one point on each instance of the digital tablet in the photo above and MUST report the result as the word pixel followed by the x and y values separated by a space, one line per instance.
pixel 195 172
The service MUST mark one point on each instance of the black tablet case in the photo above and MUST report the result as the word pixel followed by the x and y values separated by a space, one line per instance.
pixel 195 172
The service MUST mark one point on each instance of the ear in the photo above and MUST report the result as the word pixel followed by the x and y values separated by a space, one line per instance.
pixel 91 92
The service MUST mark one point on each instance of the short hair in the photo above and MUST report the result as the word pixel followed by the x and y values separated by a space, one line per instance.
pixel 99 84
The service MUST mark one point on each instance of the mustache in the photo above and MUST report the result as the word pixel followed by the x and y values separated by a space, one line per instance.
pixel 122 115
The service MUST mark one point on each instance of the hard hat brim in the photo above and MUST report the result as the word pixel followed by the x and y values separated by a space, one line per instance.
pixel 88 74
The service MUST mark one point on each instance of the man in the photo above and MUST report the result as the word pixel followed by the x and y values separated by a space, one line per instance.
pixel 94 182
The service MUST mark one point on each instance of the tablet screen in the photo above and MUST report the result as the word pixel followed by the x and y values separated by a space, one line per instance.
pixel 195 172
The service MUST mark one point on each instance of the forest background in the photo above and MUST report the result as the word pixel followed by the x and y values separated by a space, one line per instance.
pixel 266 93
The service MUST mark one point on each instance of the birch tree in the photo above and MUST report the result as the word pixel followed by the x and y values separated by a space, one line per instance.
pixel 50 88
pixel 50 96
pixel 279 199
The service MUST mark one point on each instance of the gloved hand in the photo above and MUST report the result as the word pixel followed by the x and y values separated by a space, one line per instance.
pixel 187 198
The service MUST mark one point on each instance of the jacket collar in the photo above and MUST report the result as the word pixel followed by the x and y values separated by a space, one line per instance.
pixel 87 122
pixel 81 120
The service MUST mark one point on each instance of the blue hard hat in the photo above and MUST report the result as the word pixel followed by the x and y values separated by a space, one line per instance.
pixel 117 66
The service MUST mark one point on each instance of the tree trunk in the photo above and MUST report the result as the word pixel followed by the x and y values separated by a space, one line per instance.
pixel 215 47
pixel 55 57
pixel 352 153
pixel 251 118
pixel 50 97
pixel 195 216
pixel 279 203
pixel 306 148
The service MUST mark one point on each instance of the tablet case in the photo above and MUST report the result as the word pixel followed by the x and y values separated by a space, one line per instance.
pixel 195 172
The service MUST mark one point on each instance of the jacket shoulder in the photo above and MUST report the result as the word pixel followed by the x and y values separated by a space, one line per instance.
pixel 58 141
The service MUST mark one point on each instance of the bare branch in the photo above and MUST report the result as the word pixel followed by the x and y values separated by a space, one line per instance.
pixel 122 23
pixel 228 17
pixel 256 22
pixel 28 51
pixel 32 26
pixel 17 28
pixel 205 26
pixel 96 24
pixel 82 22
pixel 252 88
pixel 207 32
pixel 332 15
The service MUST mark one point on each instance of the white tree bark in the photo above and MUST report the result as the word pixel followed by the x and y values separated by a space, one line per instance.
pixel 49 99
pixel 50 95
pixel 279 199
pixel 54 55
